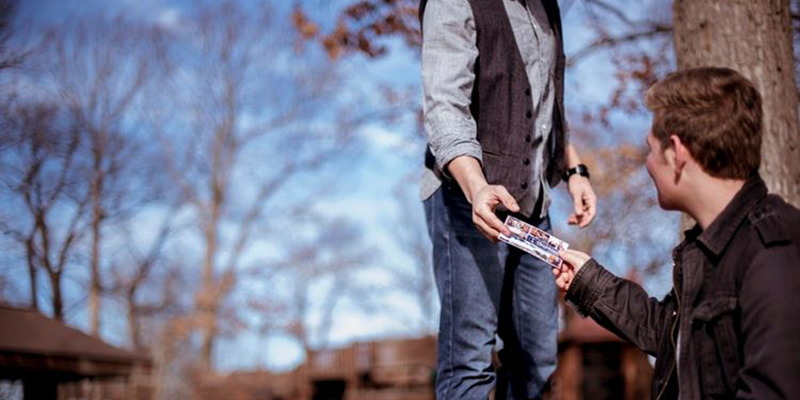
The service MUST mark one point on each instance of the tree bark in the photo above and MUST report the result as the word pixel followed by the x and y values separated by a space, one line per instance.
pixel 97 218
pixel 30 252
pixel 208 299
pixel 53 271
pixel 213 288
pixel 133 320
pixel 58 302
pixel 754 38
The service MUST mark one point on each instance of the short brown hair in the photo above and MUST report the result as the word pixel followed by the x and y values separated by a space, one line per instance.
pixel 716 112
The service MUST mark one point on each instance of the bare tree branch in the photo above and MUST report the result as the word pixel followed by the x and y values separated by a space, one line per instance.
pixel 607 42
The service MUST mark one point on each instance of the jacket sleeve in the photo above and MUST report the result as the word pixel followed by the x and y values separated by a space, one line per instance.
pixel 449 54
pixel 770 326
pixel 619 305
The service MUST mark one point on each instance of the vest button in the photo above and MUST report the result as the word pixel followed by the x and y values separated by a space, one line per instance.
pixel 524 185
pixel 526 161
pixel 528 138
pixel 529 114
pixel 528 92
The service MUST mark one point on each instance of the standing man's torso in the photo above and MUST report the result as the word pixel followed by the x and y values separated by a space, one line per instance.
pixel 537 45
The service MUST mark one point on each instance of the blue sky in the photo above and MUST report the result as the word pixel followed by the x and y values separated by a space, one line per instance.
pixel 370 179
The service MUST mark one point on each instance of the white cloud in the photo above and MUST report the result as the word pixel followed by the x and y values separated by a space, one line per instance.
pixel 397 141
pixel 169 18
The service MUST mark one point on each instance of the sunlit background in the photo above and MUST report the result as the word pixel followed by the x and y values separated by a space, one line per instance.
pixel 230 186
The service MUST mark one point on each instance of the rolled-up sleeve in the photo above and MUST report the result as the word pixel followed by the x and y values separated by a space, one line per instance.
pixel 449 52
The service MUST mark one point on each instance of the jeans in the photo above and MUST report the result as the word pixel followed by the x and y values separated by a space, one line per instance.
pixel 489 291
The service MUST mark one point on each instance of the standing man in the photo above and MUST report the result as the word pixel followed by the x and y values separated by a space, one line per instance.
pixel 730 327
pixel 493 81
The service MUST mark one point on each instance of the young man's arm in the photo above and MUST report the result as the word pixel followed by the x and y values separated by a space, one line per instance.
pixel 770 326
pixel 617 304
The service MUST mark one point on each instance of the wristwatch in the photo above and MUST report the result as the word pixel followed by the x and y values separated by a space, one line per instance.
pixel 580 169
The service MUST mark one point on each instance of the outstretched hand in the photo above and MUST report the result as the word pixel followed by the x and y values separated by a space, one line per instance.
pixel 584 201
pixel 484 203
pixel 573 262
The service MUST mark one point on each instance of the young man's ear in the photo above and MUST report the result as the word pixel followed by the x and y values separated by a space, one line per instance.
pixel 681 153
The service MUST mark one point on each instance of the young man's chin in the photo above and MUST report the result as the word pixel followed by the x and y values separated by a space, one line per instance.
pixel 666 204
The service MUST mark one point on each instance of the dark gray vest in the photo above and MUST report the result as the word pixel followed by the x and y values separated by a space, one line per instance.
pixel 501 103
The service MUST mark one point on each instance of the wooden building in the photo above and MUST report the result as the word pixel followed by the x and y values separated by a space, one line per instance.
pixel 54 361
pixel 383 370
pixel 389 369
pixel 595 364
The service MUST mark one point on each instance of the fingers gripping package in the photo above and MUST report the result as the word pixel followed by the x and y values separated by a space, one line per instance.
pixel 534 241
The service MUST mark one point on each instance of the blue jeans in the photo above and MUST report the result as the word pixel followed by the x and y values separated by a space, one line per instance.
pixel 488 291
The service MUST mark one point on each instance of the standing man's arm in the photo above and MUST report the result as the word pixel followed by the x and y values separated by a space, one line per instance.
pixel 583 198
pixel 449 53
pixel 483 196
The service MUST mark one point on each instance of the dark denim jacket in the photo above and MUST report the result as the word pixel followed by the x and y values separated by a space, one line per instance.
pixel 734 301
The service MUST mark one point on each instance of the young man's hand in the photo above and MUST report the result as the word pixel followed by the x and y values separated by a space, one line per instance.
pixel 584 201
pixel 573 262
pixel 484 202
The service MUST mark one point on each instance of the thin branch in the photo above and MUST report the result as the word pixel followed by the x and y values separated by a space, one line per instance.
pixel 73 233
pixel 613 10
pixel 609 42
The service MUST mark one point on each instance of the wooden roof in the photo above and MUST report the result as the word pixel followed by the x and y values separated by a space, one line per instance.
pixel 31 343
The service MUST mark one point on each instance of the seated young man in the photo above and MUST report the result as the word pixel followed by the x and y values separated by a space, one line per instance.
pixel 730 327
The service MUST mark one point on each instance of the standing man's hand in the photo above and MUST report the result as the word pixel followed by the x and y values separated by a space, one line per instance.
pixel 584 201
pixel 484 202
pixel 484 197
pixel 573 262
pixel 583 198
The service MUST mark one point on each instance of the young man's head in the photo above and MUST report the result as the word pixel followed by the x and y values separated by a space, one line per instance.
pixel 706 118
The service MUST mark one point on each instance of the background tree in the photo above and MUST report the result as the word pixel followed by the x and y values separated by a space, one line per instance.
pixel 45 200
pixel 756 39
pixel 317 274
pixel 255 120
pixel 412 275
pixel 199 155
pixel 100 70
pixel 10 56
pixel 146 280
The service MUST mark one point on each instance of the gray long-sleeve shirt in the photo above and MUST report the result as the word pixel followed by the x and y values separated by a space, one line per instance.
pixel 449 53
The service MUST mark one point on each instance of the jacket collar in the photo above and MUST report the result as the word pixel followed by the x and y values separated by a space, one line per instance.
pixel 716 237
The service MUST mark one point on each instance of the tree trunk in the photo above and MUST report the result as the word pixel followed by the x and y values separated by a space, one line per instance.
pixel 30 252
pixel 58 303
pixel 212 294
pixel 133 321
pixel 53 273
pixel 208 299
pixel 97 218
pixel 754 38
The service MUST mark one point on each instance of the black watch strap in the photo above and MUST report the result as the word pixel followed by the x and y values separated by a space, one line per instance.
pixel 580 169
